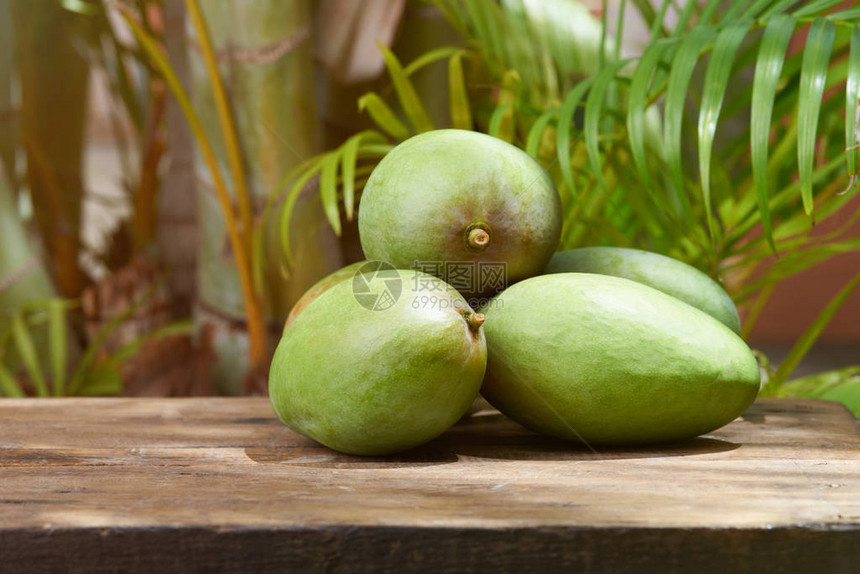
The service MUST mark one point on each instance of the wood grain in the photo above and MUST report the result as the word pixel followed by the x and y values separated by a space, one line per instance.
pixel 220 485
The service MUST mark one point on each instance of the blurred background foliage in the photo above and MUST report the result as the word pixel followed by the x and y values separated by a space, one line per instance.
pixel 724 134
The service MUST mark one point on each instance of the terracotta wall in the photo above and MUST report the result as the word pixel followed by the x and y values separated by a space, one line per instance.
pixel 796 303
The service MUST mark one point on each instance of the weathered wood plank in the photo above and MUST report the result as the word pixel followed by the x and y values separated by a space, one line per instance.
pixel 206 484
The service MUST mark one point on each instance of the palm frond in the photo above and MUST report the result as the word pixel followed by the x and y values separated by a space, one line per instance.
pixel 852 103
pixel 594 113
pixel 683 65
pixel 816 59
pixel 461 113
pixel 841 385
pixel 412 106
pixel 619 142
pixel 807 340
pixel 716 80
pixel 768 67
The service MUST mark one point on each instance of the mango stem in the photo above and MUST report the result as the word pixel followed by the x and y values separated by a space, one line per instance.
pixel 475 320
pixel 478 239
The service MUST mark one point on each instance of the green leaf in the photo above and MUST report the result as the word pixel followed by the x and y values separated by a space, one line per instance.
pixel 286 218
pixel 754 9
pixel 852 102
pixel 349 158
pixel 796 262
pixel 716 80
pixel 130 349
pixel 819 384
pixel 259 252
pixel 485 15
pixel 431 57
pixel 409 101
pixel 768 68
pixel 676 96
pixel 656 25
pixel 619 26
pixel 348 161
pixel 850 14
pixel 780 7
pixel 59 344
pixel 764 364
pixel 374 150
pixel 807 340
pixel 815 7
pixel 86 363
pixel 708 12
pixel 8 385
pixel 636 101
pixel 502 121
pixel 813 74
pixel 594 112
pixel 604 30
pixel 100 381
pixel 846 392
pixel 502 113
pixel 383 117
pixel 328 190
pixel 563 129
pixel 652 19
pixel 684 18
pixel 461 113
pixel 27 351
pixel 537 130
pixel 83 7
pixel 731 13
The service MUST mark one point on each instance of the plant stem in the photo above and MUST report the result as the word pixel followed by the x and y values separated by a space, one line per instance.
pixel 177 229
pixel 53 81
pixel 225 118
pixel 253 308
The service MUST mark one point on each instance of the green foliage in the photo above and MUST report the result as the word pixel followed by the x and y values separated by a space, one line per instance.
pixel 716 80
pixel 771 57
pixel 776 380
pixel 96 373
pixel 618 140
pixel 816 58
pixel 842 385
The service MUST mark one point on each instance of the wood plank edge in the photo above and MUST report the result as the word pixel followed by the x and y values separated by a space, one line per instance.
pixel 830 547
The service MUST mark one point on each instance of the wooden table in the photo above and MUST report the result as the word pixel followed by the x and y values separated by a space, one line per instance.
pixel 219 484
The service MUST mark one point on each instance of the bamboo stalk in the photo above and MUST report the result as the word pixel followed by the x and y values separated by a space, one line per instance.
pixel 53 80
pixel 225 118
pixel 152 147
pixel 262 52
pixel 253 309
pixel 423 29
pixel 22 276
pixel 176 227
pixel 8 114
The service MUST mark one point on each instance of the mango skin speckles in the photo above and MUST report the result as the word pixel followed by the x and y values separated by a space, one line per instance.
pixel 665 274
pixel 611 361
pixel 376 382
pixel 429 192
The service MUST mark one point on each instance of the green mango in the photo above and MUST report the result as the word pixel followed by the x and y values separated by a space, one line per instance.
pixel 461 198
pixel 321 287
pixel 665 274
pixel 606 360
pixel 379 363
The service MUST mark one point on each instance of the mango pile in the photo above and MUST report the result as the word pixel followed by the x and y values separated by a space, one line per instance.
pixel 599 345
